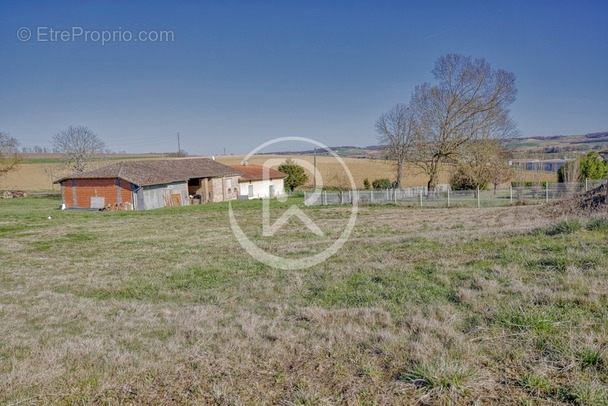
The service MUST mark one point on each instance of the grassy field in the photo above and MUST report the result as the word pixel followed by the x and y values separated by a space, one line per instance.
pixel 435 306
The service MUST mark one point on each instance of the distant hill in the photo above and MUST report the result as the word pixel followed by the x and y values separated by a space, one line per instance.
pixel 372 151
pixel 556 145
pixel 560 144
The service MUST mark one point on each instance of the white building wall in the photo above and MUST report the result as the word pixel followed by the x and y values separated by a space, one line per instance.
pixel 261 188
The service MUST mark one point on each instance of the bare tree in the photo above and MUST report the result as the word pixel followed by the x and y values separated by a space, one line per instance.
pixel 482 162
pixel 501 169
pixel 79 145
pixel 10 158
pixel 570 172
pixel 469 102
pixel 396 134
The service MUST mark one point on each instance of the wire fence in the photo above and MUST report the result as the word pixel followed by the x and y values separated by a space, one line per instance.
pixel 420 196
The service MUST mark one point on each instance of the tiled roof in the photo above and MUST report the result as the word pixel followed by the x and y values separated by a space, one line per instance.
pixel 159 171
pixel 256 172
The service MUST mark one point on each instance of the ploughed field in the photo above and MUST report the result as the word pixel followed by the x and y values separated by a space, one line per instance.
pixel 436 306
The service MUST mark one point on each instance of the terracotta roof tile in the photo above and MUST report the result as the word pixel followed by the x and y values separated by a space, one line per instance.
pixel 256 172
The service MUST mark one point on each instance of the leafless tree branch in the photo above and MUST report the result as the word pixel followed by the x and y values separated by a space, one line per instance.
pixel 10 158
pixel 396 133
pixel 79 145
pixel 469 102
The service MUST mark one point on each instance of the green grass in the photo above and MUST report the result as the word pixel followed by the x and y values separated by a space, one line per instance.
pixel 598 224
pixel 568 226
pixel 435 306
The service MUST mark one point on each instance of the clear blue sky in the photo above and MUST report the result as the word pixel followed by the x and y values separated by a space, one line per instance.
pixel 239 73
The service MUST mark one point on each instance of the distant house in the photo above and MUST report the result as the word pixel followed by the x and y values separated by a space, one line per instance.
pixel 151 184
pixel 257 182
pixel 549 165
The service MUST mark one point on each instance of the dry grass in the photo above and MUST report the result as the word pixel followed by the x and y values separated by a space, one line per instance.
pixel 426 306
pixel 334 174
pixel 35 176
pixel 30 177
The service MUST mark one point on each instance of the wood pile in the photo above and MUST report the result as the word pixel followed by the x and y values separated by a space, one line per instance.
pixel 119 207
pixel 13 194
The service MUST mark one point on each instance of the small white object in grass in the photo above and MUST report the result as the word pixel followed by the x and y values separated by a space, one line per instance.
pixel 50 217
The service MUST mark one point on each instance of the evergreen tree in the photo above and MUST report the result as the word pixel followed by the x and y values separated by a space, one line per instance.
pixel 296 176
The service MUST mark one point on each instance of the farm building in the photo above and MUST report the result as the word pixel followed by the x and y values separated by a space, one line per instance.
pixel 258 182
pixel 549 165
pixel 150 184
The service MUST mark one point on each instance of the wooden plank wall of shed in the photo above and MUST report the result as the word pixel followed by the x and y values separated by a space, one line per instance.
pixel 154 196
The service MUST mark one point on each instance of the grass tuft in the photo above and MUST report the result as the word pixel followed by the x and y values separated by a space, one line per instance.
pixel 598 224
pixel 439 378
pixel 537 385
pixel 591 358
pixel 568 226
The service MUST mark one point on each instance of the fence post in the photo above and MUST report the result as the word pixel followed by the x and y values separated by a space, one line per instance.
pixel 350 196
pixel 478 198
pixel 371 196
pixel 511 194
pixel 421 198
pixel 325 198
pixel 546 192
pixel 395 195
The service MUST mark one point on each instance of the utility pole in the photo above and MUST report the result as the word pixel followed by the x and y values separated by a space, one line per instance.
pixel 179 148
pixel 314 175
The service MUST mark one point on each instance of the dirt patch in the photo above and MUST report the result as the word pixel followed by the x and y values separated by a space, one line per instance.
pixel 594 201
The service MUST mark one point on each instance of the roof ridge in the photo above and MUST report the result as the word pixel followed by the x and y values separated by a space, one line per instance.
pixel 120 168
pixel 147 172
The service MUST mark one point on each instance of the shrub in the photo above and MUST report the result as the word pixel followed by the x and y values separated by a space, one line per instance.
pixel 461 180
pixel 383 184
pixel 296 175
